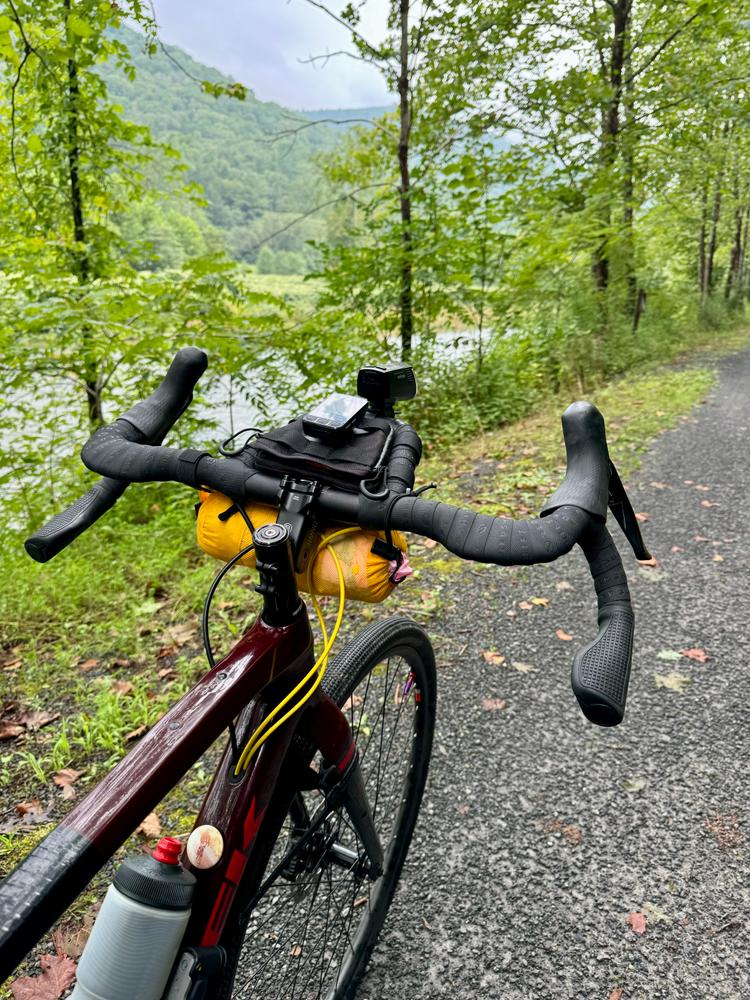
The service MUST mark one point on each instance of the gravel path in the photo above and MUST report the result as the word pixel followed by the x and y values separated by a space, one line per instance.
pixel 540 834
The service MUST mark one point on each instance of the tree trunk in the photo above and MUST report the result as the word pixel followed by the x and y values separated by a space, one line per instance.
pixel 628 200
pixel 713 239
pixel 81 259
pixel 702 237
pixel 610 132
pixel 734 272
pixel 406 296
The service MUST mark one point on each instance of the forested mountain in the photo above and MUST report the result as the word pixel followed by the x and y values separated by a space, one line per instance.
pixel 254 159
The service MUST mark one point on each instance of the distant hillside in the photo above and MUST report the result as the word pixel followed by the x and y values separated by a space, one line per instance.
pixel 257 169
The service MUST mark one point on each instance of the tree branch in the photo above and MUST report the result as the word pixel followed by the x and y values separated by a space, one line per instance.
pixel 658 51
pixel 326 121
pixel 372 49
pixel 318 208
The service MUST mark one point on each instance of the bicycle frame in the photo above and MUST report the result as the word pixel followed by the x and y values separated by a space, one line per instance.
pixel 267 662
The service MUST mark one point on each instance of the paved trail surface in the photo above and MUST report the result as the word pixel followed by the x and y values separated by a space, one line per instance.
pixel 541 833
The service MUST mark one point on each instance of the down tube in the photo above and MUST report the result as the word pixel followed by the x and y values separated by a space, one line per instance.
pixel 39 891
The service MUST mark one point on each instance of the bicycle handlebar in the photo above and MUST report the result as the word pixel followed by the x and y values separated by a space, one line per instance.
pixel 149 423
pixel 129 451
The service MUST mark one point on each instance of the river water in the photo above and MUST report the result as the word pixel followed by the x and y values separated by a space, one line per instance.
pixel 245 411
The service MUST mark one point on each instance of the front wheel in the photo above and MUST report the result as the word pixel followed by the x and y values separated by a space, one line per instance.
pixel 312 933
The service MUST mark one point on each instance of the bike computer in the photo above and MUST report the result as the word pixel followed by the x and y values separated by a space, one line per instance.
pixel 334 417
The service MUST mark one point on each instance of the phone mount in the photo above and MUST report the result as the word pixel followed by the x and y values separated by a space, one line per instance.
pixel 383 385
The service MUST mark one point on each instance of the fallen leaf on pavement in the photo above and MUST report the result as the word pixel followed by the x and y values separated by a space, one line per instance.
pixel 563 585
pixel 492 657
pixel 463 810
pixel 700 538
pixel 725 829
pixel 58 973
pixel 708 503
pixel 717 557
pixel 676 548
pixel 493 704
pixel 150 828
pixel 65 780
pixel 653 561
pixel 695 654
pixel 672 682
pixel 562 634
pixel 637 922
pixel 525 606
pixel 634 784
pixel 523 668
pixel 654 915
pixel 702 488
pixel 616 994
pixel 642 516
pixel 429 543
pixel 573 834
pixel 688 482
pixel 668 654
pixel 541 601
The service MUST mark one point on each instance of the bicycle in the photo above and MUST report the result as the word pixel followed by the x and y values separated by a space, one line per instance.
pixel 312 807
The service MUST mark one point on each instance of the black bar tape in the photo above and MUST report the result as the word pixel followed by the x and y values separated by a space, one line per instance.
pixel 490 539
pixel 403 459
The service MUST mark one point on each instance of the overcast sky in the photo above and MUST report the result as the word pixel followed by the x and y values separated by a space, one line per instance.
pixel 260 43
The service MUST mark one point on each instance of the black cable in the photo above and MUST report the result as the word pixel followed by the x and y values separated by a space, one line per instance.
pixel 227 452
pixel 392 503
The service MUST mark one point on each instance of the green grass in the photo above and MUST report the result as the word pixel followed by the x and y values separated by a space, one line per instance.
pixel 295 289
pixel 511 470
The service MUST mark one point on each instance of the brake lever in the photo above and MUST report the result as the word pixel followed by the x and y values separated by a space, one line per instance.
pixel 622 509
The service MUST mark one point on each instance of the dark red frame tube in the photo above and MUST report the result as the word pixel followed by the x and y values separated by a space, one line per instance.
pixel 38 892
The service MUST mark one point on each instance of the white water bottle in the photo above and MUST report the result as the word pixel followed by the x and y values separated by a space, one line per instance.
pixel 139 928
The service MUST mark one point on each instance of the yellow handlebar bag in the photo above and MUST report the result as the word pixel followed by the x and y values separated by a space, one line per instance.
pixel 222 533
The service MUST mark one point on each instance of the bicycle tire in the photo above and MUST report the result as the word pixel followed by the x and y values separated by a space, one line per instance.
pixel 403 643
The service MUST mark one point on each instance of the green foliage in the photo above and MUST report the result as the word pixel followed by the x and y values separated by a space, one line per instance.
pixel 253 160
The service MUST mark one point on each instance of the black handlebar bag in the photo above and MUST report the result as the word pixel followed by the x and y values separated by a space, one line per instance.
pixel 289 451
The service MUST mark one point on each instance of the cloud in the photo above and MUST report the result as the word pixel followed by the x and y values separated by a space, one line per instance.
pixel 261 43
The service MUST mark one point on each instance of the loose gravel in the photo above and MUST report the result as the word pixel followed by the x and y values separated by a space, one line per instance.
pixel 541 834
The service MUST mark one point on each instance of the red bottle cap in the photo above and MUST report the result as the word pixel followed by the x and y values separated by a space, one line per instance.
pixel 168 851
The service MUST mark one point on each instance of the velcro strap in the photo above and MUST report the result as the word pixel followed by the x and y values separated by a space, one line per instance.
pixel 188 460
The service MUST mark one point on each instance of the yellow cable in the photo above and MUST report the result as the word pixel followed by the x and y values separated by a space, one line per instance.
pixel 256 740
pixel 259 736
